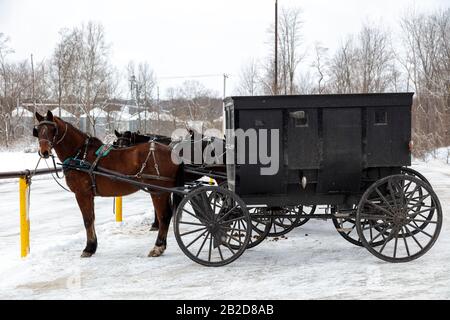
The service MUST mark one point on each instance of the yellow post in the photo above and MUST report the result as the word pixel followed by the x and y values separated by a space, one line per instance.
pixel 24 217
pixel 118 209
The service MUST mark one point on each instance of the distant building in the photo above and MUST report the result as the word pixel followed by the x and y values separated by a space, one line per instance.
pixel 96 123
pixel 66 116
pixel 22 121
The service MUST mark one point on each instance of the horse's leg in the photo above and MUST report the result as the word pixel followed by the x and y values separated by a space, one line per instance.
pixel 86 204
pixel 164 214
pixel 155 224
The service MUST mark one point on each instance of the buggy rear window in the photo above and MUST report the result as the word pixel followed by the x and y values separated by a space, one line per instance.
pixel 380 117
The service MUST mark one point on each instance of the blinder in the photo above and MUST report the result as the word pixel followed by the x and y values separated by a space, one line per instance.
pixel 36 127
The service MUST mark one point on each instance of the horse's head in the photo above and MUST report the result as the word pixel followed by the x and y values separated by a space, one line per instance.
pixel 124 139
pixel 49 133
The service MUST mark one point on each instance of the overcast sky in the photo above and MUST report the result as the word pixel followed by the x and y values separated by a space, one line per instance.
pixel 191 37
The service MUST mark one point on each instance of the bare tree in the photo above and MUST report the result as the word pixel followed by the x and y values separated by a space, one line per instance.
pixel 249 79
pixel 320 64
pixel 94 71
pixel 289 54
pixel 343 68
pixel 65 63
pixel 364 63
pixel 426 39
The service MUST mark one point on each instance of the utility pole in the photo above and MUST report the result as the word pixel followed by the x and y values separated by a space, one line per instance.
pixel 225 77
pixel 275 81
pixel 32 80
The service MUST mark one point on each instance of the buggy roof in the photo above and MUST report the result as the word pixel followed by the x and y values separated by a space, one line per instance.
pixel 321 101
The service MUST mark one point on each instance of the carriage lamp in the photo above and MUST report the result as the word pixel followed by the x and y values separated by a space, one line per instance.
pixel 304 182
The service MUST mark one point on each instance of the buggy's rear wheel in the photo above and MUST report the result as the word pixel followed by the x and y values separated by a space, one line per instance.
pixel 306 210
pixel 261 225
pixel 345 223
pixel 414 173
pixel 391 206
pixel 212 226
pixel 286 221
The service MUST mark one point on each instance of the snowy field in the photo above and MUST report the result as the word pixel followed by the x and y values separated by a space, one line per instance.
pixel 314 262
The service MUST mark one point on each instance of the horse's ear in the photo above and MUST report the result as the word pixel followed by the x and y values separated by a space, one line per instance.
pixel 117 133
pixel 39 117
pixel 49 115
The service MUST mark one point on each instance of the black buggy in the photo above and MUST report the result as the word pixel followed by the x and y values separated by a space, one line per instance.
pixel 348 152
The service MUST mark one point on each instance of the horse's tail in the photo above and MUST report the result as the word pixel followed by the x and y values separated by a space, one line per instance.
pixel 179 182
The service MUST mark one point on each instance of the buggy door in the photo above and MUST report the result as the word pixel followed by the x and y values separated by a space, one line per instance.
pixel 341 164
pixel 250 179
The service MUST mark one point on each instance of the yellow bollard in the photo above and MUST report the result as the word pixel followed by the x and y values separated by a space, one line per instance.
pixel 24 217
pixel 118 209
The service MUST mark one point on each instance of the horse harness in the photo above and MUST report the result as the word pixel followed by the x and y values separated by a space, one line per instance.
pixel 75 162
pixel 52 123
pixel 103 151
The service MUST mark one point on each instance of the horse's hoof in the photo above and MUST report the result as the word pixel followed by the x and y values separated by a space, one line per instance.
pixel 86 254
pixel 157 251
pixel 153 228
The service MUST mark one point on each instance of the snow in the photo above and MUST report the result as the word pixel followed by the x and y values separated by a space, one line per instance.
pixel 96 113
pixel 314 262
pixel 22 112
pixel 152 115
pixel 64 113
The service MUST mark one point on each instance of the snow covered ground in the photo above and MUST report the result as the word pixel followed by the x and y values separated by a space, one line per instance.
pixel 314 262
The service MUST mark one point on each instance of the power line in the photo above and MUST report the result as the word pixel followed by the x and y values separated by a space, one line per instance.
pixel 193 76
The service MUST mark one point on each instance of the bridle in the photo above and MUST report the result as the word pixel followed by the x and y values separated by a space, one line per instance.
pixel 52 142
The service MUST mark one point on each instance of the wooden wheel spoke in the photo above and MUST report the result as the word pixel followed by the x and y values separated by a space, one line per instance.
pixel 406 243
pixel 191 223
pixel 227 213
pixel 414 238
pixel 420 230
pixel 389 238
pixel 203 244
pixel 193 231
pixel 380 208
pixel 383 198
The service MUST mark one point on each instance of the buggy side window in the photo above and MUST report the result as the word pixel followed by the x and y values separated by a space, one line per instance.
pixel 380 117
pixel 300 118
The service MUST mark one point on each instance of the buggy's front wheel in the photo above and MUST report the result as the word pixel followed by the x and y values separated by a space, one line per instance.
pixel 212 226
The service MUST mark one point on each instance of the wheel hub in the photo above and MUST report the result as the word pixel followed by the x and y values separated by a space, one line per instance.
pixel 400 217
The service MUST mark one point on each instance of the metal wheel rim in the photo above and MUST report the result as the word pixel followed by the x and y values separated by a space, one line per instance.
pixel 395 213
pixel 208 236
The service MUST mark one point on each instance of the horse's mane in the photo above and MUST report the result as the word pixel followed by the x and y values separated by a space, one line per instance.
pixel 94 140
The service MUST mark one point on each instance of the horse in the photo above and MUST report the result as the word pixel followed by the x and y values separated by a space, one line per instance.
pixel 146 163
pixel 128 138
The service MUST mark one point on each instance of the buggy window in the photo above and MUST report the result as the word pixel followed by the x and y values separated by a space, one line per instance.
pixel 300 118
pixel 380 117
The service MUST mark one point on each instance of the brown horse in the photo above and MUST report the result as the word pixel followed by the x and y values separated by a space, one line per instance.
pixel 158 169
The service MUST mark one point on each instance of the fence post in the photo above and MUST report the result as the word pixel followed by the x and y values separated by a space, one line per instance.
pixel 118 201
pixel 24 184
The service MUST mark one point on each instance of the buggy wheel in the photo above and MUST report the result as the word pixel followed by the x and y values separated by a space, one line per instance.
pixel 390 205
pixel 306 210
pixel 284 224
pixel 212 226
pixel 414 173
pixel 345 225
pixel 261 225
